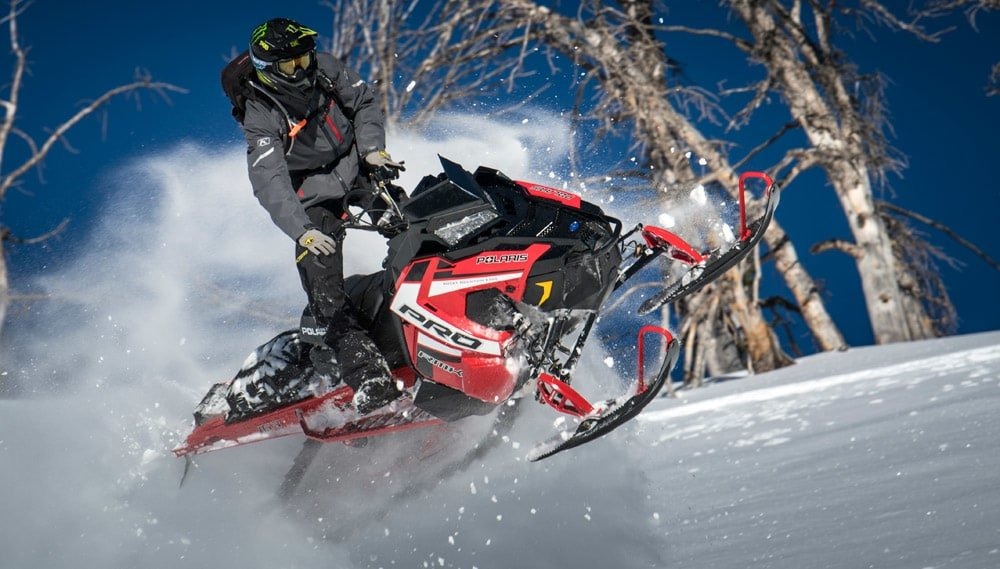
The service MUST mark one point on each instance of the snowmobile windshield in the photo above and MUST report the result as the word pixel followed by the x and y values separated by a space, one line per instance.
pixel 438 199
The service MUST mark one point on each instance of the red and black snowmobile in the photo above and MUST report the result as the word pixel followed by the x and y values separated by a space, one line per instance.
pixel 489 291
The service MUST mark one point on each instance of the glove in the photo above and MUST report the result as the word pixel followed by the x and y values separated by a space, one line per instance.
pixel 382 166
pixel 317 242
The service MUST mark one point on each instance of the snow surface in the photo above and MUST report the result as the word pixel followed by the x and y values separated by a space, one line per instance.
pixel 882 457
pixel 875 457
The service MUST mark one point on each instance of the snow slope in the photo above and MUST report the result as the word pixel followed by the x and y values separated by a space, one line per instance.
pixel 878 457
pixel 875 457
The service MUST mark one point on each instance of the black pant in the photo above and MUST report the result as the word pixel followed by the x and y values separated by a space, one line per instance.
pixel 322 276
pixel 329 319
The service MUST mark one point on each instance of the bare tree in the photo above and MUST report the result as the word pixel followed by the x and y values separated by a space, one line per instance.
pixel 627 73
pixel 625 82
pixel 447 53
pixel 842 114
pixel 11 178
pixel 972 10
pixel 634 89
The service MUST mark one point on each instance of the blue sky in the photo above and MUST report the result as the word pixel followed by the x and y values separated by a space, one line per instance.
pixel 943 123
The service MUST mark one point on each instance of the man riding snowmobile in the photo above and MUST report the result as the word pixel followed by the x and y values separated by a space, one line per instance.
pixel 309 124
pixel 489 290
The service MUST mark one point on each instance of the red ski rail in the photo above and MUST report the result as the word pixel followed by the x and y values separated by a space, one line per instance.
pixel 378 424
pixel 744 230
pixel 305 417
pixel 648 329
pixel 614 413
pixel 560 396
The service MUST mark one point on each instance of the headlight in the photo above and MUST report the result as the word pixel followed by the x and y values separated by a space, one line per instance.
pixel 453 232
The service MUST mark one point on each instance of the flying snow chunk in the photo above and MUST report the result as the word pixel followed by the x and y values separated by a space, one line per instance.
pixel 728 234
pixel 666 220
pixel 698 195
pixel 411 86
pixel 609 361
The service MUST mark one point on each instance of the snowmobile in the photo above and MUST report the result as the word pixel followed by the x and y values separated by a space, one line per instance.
pixel 489 291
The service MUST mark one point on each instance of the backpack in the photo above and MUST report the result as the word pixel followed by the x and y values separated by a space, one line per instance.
pixel 236 84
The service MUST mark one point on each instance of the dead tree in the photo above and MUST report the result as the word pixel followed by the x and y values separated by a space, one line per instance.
pixel 619 56
pixel 11 178
pixel 842 115
pixel 972 10
pixel 617 49
pixel 428 57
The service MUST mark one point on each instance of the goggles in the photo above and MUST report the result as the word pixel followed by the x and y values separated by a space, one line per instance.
pixel 288 67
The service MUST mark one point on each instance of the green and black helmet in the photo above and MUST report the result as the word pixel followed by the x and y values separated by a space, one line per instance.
pixel 284 54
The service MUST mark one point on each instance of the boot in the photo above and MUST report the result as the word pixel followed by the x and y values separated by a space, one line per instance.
pixel 375 393
pixel 366 371
pixel 324 361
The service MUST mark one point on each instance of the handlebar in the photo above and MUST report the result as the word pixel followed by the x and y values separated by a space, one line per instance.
pixel 388 220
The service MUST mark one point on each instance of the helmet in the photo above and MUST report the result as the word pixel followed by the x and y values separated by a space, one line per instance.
pixel 284 54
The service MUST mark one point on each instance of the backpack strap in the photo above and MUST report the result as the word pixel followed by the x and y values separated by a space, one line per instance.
pixel 288 137
pixel 292 128
pixel 326 84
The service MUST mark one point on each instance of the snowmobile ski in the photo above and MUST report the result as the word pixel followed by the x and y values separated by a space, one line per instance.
pixel 599 420
pixel 706 267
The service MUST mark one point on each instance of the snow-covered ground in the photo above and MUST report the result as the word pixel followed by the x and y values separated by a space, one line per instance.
pixel 876 457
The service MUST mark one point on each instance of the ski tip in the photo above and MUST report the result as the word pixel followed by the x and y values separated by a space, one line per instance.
pixel 188 461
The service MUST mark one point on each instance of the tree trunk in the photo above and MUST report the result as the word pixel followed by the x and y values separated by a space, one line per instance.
pixel 634 75
pixel 804 289
pixel 4 287
pixel 763 354
pixel 719 343
pixel 876 264
pixel 830 121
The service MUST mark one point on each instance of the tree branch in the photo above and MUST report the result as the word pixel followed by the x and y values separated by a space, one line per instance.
pixel 143 82
pixel 943 229
pixel 10 105
pixel 767 143
pixel 913 26
pixel 838 245
pixel 8 236
pixel 739 42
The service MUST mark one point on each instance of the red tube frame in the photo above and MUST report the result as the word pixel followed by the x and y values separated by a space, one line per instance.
pixel 648 329
pixel 744 231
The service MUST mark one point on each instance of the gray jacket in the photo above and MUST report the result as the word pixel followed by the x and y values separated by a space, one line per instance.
pixel 322 160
